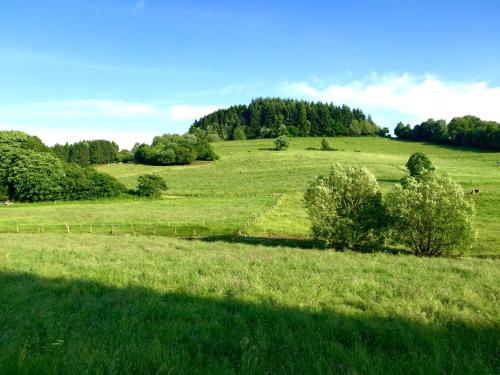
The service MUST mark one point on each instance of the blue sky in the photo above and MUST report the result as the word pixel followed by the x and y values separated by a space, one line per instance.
pixel 127 70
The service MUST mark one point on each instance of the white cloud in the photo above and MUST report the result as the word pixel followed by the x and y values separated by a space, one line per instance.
pixel 124 122
pixel 191 112
pixel 405 97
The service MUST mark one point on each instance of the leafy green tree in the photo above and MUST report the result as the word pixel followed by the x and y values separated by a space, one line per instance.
pixel 36 176
pixel 125 156
pixel 325 145
pixel 151 185
pixel 87 183
pixel 345 208
pixel 281 143
pixel 239 134
pixel 431 215
pixel 419 164
pixel 213 137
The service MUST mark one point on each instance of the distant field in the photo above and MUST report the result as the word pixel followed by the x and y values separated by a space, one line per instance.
pixel 238 192
pixel 249 168
pixel 139 304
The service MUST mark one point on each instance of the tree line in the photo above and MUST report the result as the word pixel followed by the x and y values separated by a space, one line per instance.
pixel 31 172
pixel 273 117
pixel 85 153
pixel 460 131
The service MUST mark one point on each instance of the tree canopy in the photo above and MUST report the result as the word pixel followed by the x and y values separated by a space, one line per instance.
pixel 170 149
pixel 87 153
pixel 272 117
pixel 29 171
pixel 460 131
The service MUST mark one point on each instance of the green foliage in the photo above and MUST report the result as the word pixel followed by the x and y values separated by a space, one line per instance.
pixel 85 153
pixel 213 137
pixel 151 185
pixel 86 183
pixel 419 164
pixel 125 156
pixel 272 117
pixel 462 131
pixel 281 143
pixel 35 176
pixel 171 149
pixel 431 215
pixel 239 134
pixel 346 208
pixel 325 145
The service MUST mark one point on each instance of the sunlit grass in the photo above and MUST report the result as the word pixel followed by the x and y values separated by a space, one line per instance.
pixel 138 304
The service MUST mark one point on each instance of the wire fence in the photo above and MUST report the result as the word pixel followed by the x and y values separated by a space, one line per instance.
pixel 184 229
pixel 170 230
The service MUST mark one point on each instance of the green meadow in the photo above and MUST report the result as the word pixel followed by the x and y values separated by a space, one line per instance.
pixel 221 275
pixel 152 304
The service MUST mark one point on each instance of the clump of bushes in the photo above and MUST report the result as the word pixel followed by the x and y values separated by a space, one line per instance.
pixel 30 172
pixel 171 149
pixel 239 134
pixel 431 215
pixel 427 212
pixel 346 207
pixel 419 164
pixel 325 145
pixel 281 143
pixel 151 185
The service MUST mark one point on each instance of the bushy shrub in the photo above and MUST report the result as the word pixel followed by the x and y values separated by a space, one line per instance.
pixel 419 164
pixel 174 149
pixel 87 183
pixel 239 134
pixel 125 156
pixel 281 143
pixel 325 145
pixel 213 137
pixel 151 185
pixel 431 215
pixel 35 176
pixel 345 208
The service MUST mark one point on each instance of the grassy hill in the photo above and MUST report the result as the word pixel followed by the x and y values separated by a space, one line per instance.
pixel 74 296
pixel 257 192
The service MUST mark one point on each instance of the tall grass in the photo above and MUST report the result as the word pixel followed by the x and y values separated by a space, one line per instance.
pixel 115 304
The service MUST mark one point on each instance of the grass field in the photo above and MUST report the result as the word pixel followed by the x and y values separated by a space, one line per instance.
pixel 238 193
pixel 227 296
pixel 250 168
pixel 140 304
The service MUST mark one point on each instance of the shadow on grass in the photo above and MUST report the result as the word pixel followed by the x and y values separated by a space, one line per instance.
pixel 267 241
pixel 268 149
pixel 446 146
pixel 295 243
pixel 59 325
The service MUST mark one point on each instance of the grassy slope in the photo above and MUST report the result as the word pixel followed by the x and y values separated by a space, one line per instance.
pixel 131 304
pixel 248 168
pixel 226 195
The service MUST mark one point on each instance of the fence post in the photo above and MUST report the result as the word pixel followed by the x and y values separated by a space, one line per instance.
pixel 90 229
pixel 67 228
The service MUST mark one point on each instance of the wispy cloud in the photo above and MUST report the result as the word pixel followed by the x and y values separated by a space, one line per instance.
pixel 125 122
pixel 190 112
pixel 76 63
pixel 412 98
pixel 139 5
